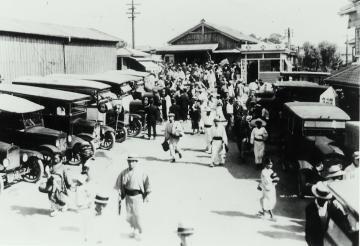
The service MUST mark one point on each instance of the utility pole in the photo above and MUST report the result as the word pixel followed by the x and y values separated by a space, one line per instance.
pixel 288 34
pixel 132 15
pixel 347 47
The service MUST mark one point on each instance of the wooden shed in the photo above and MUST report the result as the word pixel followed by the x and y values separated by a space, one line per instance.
pixel 28 48
pixel 204 41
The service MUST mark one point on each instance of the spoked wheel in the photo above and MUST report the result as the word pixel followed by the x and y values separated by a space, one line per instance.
pixel 108 141
pixel 48 158
pixel 121 134
pixel 36 170
pixel 74 158
pixel 134 128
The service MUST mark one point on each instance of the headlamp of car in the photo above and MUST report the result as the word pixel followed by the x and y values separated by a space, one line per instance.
pixel 69 138
pixel 6 162
pixel 102 131
pixel 24 157
pixel 57 143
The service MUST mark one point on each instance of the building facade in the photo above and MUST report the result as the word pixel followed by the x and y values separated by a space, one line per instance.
pixel 40 49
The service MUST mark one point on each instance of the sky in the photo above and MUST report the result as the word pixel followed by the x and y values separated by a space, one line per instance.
pixel 161 20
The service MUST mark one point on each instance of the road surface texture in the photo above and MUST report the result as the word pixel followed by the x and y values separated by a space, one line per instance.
pixel 221 203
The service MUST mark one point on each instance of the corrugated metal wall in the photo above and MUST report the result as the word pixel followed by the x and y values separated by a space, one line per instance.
pixel 21 56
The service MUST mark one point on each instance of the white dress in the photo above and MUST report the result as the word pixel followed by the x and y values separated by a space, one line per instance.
pixel 258 136
pixel 268 199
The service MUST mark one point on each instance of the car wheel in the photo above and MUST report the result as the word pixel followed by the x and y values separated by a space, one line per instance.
pixel 36 170
pixel 74 157
pixel 1 185
pixel 108 141
pixel 134 128
pixel 48 158
pixel 121 134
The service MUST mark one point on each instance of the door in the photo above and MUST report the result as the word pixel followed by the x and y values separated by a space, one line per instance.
pixel 252 70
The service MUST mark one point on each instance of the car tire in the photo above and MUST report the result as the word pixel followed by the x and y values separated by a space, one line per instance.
pixel 121 134
pixel 108 141
pixel 134 128
pixel 36 170
pixel 48 158
pixel 74 157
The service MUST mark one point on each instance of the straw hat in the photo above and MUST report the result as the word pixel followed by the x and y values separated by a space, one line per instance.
pixel 101 199
pixel 334 171
pixel 132 157
pixel 320 190
pixel 184 229
pixel 171 115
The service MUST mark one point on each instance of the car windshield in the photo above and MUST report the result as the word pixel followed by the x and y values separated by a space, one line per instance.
pixel 33 119
pixel 78 108
pixel 107 95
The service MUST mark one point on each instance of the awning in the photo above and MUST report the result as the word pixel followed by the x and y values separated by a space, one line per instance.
pixel 188 47
pixel 230 51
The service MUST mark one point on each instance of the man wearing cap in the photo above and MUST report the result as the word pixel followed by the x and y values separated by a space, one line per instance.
pixel 133 185
pixel 208 123
pixel 219 143
pixel 258 138
pixel 352 171
pixel 173 133
pixel 318 214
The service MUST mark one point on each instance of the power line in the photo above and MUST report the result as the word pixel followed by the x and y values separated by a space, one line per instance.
pixel 132 15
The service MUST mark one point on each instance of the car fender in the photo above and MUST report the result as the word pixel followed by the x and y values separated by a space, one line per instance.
pixel 78 140
pixel 31 153
pixel 86 136
pixel 106 129
pixel 50 148
pixel 136 116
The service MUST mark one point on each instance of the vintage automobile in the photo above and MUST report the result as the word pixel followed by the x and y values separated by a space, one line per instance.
pixel 123 86
pixel 312 131
pixel 344 230
pixel 17 164
pixel 21 123
pixel 64 111
pixel 101 99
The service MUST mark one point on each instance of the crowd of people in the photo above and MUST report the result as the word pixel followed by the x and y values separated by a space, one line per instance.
pixel 219 104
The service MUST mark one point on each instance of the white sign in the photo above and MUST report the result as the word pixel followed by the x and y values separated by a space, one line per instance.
pixel 329 96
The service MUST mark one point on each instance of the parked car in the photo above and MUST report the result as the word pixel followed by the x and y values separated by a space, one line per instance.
pixel 17 164
pixel 312 131
pixel 21 123
pixel 64 111
pixel 100 102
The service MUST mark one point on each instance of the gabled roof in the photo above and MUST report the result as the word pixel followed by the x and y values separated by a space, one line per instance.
pixel 188 47
pixel 18 105
pixel 53 30
pixel 127 52
pixel 226 31
pixel 348 77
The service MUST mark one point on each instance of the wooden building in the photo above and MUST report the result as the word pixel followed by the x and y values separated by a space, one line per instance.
pixel 265 61
pixel 204 41
pixel 28 48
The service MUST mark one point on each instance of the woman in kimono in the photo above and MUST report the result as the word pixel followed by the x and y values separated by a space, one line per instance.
pixel 219 143
pixel 258 138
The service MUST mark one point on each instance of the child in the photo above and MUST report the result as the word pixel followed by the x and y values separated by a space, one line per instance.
pixel 269 179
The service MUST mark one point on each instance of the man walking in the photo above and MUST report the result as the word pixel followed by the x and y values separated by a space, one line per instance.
pixel 208 123
pixel 133 185
pixel 173 133
pixel 151 117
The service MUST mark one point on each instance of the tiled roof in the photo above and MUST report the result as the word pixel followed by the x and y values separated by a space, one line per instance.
pixel 53 30
pixel 349 76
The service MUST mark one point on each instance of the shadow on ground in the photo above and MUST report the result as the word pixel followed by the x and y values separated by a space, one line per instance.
pixel 236 214
pixel 29 211
pixel 282 235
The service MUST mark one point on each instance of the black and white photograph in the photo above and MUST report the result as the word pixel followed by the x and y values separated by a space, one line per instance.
pixel 179 122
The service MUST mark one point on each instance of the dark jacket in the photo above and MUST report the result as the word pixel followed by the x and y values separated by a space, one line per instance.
pixel 151 114
pixel 175 109
pixel 315 230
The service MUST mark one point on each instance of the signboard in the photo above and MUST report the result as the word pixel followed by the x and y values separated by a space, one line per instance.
pixel 329 96
pixel 243 67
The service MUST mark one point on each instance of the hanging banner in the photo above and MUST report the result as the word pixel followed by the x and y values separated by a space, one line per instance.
pixel 329 96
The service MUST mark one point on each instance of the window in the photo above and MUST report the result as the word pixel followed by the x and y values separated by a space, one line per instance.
pixel 269 65
pixel 254 56
pixel 272 55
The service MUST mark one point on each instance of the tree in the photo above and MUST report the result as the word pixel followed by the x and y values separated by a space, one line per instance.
pixel 310 59
pixel 330 59
pixel 274 38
